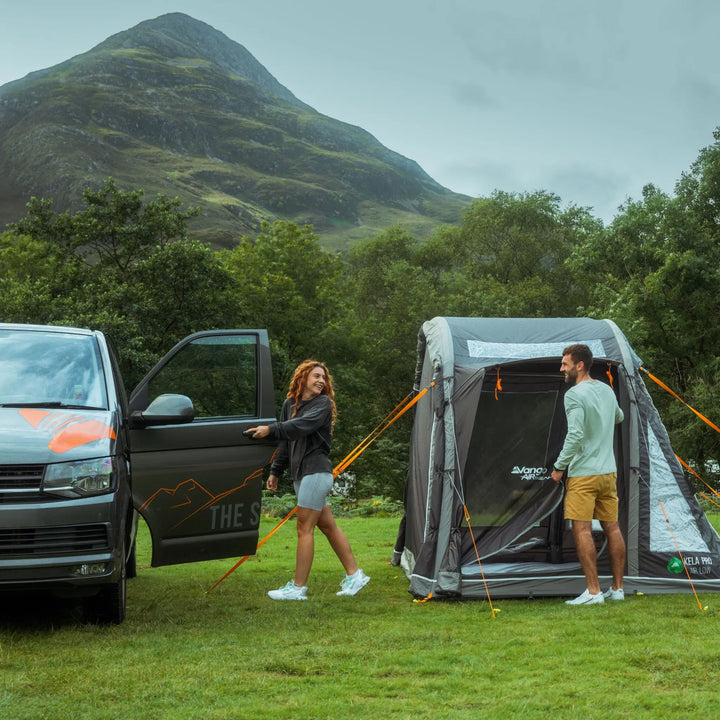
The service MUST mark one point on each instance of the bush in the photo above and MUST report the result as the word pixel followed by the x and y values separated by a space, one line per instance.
pixel 278 506
pixel 377 507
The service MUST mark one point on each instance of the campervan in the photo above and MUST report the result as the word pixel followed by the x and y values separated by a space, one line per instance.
pixel 80 462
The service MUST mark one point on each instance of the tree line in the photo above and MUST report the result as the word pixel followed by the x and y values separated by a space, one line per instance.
pixel 131 268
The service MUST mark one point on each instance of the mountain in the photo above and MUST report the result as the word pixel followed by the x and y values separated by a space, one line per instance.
pixel 173 106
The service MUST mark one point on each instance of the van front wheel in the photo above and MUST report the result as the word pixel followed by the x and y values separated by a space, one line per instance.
pixel 108 606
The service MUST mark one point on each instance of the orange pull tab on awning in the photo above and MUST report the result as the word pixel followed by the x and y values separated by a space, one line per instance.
pixel 609 374
pixel 498 384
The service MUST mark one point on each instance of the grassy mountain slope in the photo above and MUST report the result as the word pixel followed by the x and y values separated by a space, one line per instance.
pixel 173 106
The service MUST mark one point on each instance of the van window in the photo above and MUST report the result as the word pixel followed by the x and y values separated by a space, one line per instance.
pixel 51 368
pixel 218 373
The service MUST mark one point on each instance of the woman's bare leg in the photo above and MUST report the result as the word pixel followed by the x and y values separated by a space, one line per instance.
pixel 307 519
pixel 338 540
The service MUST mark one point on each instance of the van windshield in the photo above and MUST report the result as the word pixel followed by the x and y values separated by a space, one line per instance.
pixel 50 369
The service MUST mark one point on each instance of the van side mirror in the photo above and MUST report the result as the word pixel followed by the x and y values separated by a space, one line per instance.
pixel 166 409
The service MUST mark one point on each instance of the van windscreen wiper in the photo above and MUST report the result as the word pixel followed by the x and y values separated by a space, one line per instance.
pixel 51 404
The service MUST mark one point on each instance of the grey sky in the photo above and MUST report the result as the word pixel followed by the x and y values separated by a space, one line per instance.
pixel 590 100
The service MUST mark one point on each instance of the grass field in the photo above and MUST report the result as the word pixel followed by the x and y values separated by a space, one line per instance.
pixel 233 653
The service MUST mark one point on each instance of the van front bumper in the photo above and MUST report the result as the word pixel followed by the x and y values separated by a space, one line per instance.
pixel 75 543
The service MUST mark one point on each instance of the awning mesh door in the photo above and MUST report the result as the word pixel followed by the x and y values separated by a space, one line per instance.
pixel 506 478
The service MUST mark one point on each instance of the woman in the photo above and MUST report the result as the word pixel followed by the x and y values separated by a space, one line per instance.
pixel 304 436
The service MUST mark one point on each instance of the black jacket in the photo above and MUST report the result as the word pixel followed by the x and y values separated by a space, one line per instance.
pixel 304 440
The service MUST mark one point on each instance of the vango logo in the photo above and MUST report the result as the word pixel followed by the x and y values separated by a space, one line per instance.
pixel 530 473
pixel 67 431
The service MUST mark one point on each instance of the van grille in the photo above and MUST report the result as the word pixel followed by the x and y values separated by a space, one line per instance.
pixel 21 477
pixel 21 483
pixel 63 539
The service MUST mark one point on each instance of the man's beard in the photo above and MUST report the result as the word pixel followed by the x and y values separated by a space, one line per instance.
pixel 571 377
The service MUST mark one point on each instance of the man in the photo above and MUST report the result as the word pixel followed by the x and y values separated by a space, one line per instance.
pixel 587 454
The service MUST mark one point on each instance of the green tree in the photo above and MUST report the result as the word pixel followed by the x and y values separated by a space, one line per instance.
pixel 393 293
pixel 284 281
pixel 116 229
pixel 37 280
pixel 508 257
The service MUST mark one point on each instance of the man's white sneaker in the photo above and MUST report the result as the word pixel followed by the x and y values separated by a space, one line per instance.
pixel 611 594
pixel 586 599
pixel 353 583
pixel 289 592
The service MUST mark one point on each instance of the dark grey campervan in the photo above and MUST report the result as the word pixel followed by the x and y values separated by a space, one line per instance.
pixel 78 460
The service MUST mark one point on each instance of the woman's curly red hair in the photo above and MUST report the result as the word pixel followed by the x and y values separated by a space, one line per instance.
pixel 299 383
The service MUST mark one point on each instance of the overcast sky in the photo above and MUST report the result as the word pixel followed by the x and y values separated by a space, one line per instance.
pixel 589 99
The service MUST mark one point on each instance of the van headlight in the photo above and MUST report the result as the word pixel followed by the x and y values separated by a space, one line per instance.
pixel 80 478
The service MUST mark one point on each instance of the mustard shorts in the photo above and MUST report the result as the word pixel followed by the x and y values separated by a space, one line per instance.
pixel 589 497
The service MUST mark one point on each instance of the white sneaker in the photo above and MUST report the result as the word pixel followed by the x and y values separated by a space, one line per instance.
pixel 289 592
pixel 611 594
pixel 586 599
pixel 352 584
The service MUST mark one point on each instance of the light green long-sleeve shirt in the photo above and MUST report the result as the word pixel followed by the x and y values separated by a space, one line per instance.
pixel 592 413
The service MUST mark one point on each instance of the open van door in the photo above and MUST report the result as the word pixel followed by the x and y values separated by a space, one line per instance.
pixel 196 479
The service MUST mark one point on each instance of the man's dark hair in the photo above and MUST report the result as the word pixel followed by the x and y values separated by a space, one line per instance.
pixel 580 352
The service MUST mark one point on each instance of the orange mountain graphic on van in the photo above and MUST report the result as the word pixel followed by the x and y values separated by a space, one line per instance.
pixel 68 431
pixel 192 496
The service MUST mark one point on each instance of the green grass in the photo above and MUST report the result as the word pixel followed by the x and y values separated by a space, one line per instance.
pixel 233 653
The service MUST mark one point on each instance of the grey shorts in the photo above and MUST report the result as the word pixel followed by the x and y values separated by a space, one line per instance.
pixel 312 490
